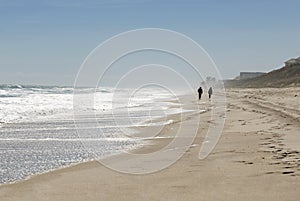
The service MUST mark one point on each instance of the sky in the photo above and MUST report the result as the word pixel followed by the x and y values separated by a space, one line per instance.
pixel 46 41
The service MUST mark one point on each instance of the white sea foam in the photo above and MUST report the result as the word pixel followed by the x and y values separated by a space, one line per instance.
pixel 38 132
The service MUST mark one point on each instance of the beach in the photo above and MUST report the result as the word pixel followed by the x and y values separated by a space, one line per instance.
pixel 256 158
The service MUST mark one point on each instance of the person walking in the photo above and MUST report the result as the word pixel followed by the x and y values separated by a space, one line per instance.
pixel 200 92
pixel 210 91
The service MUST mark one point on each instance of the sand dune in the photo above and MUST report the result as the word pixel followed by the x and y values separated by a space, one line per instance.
pixel 287 76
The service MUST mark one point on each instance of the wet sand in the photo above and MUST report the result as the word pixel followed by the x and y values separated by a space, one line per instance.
pixel 257 158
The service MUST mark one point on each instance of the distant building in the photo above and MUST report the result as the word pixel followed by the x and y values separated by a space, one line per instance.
pixel 248 75
pixel 292 62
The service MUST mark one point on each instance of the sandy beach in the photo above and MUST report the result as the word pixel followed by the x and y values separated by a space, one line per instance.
pixel 257 158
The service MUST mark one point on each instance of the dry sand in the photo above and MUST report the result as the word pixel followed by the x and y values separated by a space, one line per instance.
pixel 257 158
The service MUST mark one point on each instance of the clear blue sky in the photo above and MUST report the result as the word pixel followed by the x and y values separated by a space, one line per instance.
pixel 45 42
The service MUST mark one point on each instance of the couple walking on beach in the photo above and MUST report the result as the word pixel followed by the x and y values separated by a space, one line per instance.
pixel 200 92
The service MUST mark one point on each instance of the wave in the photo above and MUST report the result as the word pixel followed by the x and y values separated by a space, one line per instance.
pixel 20 103
pixel 10 86
pixel 35 87
pixel 103 90
pixel 105 139
pixel 10 95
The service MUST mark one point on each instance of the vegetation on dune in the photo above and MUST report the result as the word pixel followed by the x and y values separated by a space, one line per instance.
pixel 286 76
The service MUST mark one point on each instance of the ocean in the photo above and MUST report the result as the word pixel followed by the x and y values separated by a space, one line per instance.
pixel 38 132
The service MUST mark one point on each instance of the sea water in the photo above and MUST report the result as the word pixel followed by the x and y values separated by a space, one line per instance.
pixel 38 133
